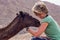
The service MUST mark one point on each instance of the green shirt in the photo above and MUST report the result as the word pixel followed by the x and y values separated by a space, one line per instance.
pixel 53 30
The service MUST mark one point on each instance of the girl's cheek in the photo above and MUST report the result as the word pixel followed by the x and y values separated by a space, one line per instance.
pixel 41 16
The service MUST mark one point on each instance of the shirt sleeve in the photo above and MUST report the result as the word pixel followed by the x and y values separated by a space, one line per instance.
pixel 47 19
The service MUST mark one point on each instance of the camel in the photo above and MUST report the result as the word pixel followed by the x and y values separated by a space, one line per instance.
pixel 21 21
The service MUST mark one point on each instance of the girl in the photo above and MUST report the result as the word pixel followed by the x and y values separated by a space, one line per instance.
pixel 48 24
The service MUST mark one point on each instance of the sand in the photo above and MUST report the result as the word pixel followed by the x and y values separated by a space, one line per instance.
pixel 25 36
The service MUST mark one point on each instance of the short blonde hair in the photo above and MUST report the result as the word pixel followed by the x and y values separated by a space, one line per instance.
pixel 40 7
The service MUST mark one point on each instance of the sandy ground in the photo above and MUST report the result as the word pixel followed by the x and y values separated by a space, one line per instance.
pixel 26 36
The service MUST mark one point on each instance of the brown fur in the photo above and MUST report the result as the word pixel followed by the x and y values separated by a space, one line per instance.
pixel 21 21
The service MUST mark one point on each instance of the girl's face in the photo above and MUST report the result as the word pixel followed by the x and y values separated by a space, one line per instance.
pixel 40 15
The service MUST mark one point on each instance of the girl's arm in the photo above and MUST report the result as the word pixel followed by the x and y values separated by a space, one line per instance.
pixel 41 29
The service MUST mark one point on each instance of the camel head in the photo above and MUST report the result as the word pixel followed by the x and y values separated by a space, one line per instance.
pixel 28 20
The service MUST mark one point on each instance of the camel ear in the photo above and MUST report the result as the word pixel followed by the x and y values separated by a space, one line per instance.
pixel 21 13
pixel 17 14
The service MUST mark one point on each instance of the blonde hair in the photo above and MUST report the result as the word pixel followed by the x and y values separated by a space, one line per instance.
pixel 40 7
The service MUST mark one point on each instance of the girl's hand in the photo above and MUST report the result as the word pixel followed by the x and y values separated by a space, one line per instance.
pixel 40 30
